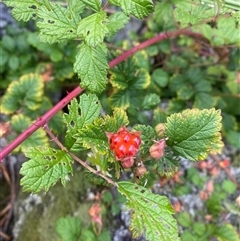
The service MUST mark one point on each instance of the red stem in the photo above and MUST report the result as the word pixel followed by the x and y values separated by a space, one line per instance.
pixel 41 121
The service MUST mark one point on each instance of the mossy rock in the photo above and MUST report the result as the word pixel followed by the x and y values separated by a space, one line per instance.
pixel 36 215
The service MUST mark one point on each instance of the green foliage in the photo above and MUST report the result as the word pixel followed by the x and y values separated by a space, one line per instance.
pixel 187 72
pixel 91 66
pixel 138 8
pixel 25 93
pixel 93 28
pixel 193 133
pixel 19 123
pixel 151 213
pixel 69 228
pixel 90 109
pixel 45 167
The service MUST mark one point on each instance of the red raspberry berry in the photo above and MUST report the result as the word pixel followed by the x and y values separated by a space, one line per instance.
pixel 124 145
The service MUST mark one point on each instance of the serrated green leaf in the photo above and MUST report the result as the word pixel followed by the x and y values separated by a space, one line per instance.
pixel 91 66
pixel 151 213
pixel 24 9
pixel 93 135
pixel 118 119
pixel 203 101
pixel 25 93
pixel 120 99
pixel 123 73
pixel 58 23
pixel 233 137
pixel 168 164
pixel 226 233
pixel 39 138
pixel 159 116
pixel 160 77
pixel 87 235
pixel 79 115
pixel 141 81
pixel 13 62
pixel 93 28
pixel 138 8
pixel 148 134
pixel 69 228
pixel 189 13
pixel 8 43
pixel 194 133
pixel 116 21
pixel 150 101
pixel 175 105
pixel 184 219
pixel 95 5
pixel 45 167
pixel 185 92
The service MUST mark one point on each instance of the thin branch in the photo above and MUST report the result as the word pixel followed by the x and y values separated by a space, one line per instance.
pixel 55 139
pixel 41 121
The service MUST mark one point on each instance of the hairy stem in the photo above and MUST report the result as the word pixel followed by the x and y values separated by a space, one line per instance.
pixel 55 139
pixel 41 121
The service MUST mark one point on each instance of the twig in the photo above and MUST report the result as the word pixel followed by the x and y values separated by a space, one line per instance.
pixel 5 236
pixel 46 117
pixel 55 139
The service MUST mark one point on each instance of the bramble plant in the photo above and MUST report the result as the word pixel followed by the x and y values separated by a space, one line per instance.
pixel 126 86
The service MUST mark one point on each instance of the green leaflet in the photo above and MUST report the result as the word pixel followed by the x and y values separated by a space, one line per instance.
pixel 25 93
pixel 45 167
pixel 19 123
pixel 91 66
pixel 194 133
pixel 116 21
pixel 80 114
pixel 69 228
pixel 226 233
pixel 58 23
pixel 24 9
pixel 188 13
pixel 93 28
pixel 95 5
pixel 138 8
pixel 151 213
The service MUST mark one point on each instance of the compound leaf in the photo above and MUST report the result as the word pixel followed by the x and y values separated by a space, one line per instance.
pixel 19 123
pixel 80 114
pixel 45 167
pixel 138 8
pixel 69 228
pixel 91 66
pixel 194 133
pixel 151 213
pixel 25 93
pixel 93 28
pixel 93 135
pixel 23 10
pixel 58 23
